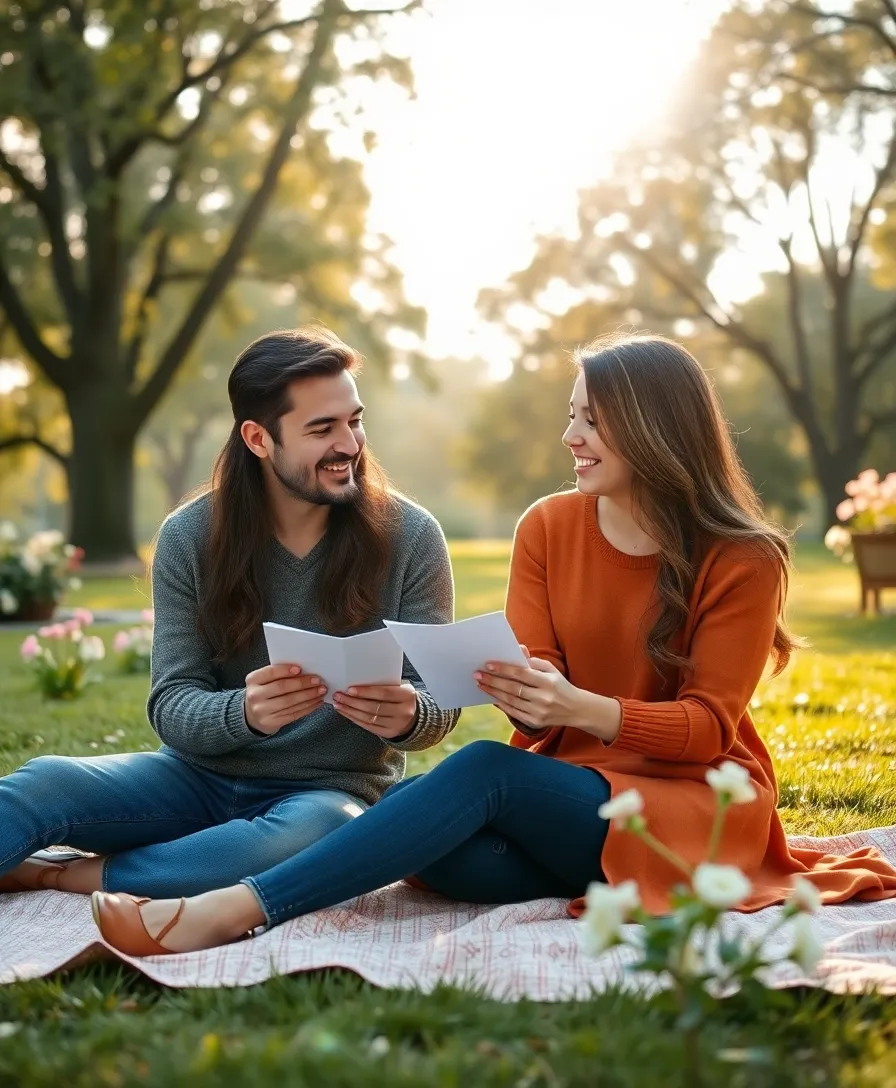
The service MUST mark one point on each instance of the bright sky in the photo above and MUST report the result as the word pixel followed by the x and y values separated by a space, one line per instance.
pixel 520 103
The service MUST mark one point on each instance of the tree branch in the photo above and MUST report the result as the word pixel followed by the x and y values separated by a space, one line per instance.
pixel 18 440
pixel 48 202
pixel 296 109
pixel 154 285
pixel 26 331
pixel 845 19
pixel 857 228
pixel 716 314
pixel 878 421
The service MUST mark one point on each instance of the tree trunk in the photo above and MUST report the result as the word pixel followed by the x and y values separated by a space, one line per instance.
pixel 833 476
pixel 101 476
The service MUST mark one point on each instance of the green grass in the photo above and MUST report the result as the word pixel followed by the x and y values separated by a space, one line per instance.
pixel 830 722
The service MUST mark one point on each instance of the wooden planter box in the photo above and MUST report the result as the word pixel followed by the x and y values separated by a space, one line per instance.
pixel 875 555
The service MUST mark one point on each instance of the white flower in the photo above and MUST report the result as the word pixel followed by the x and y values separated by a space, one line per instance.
pixel 74 584
pixel 622 807
pixel 8 602
pixel 807 947
pixel 691 960
pixel 92 648
pixel 732 781
pixel 8 531
pixel 47 541
pixel 805 896
pixel 606 910
pixel 837 539
pixel 32 563
pixel 720 886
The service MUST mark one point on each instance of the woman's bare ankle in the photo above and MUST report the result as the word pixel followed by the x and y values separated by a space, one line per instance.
pixel 83 876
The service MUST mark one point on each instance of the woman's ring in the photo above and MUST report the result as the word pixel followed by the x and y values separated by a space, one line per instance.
pixel 376 713
pixel 519 694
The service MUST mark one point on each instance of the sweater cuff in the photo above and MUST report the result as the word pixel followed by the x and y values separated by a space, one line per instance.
pixel 431 725
pixel 237 729
pixel 648 730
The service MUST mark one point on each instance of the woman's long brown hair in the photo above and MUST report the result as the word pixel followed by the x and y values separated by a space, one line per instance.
pixel 355 562
pixel 653 404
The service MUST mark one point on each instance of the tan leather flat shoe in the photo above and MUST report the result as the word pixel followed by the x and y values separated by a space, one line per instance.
pixel 120 923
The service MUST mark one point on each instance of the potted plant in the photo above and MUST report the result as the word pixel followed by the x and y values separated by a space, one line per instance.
pixel 34 573
pixel 868 533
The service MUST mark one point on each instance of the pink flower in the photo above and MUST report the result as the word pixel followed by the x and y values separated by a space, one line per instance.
pixel 853 487
pixel 30 648
pixel 84 616
pixel 148 615
pixel 846 509
pixel 45 632
pixel 54 630
pixel 72 625
pixel 868 477
pixel 121 642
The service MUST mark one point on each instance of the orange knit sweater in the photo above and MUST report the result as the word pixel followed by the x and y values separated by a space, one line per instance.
pixel 576 601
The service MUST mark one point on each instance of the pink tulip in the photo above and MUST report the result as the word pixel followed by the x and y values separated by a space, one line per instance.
pixel 121 642
pixel 148 615
pixel 30 648
pixel 84 616
pixel 45 632
pixel 72 625
pixel 846 509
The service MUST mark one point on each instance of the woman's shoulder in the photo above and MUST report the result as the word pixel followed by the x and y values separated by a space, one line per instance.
pixel 561 508
pixel 756 560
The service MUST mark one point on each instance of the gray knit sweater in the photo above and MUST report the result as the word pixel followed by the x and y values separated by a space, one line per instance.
pixel 196 707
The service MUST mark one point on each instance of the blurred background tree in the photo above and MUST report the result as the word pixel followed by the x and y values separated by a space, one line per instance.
pixel 154 158
pixel 782 137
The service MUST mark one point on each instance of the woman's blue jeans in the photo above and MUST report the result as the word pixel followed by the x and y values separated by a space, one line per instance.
pixel 166 828
pixel 489 824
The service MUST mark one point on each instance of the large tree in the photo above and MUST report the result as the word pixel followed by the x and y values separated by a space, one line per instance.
pixel 142 148
pixel 782 142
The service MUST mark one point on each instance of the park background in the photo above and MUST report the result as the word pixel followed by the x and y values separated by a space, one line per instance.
pixel 465 191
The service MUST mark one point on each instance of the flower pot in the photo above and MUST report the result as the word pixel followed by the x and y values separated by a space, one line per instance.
pixel 34 612
pixel 875 556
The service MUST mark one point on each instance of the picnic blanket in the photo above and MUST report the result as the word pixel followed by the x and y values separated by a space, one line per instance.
pixel 402 938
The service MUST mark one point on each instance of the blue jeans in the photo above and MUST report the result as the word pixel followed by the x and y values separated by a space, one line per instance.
pixel 166 828
pixel 489 824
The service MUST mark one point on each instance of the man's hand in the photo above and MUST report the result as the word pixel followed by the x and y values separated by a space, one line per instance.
pixel 386 710
pixel 279 694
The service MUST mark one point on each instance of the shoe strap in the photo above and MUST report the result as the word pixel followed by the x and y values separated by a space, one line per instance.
pixel 170 925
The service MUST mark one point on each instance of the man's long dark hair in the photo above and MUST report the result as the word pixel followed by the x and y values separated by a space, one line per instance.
pixel 359 535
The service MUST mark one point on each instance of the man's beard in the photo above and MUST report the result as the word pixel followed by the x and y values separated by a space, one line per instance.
pixel 303 483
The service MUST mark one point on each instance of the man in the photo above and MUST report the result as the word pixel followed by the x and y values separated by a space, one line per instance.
pixel 298 526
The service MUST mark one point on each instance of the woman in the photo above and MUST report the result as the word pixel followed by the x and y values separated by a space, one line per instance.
pixel 650 600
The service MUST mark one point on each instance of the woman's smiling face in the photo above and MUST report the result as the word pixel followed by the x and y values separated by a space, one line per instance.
pixel 599 471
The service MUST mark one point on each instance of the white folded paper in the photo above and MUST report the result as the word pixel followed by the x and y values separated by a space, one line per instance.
pixel 372 658
pixel 446 655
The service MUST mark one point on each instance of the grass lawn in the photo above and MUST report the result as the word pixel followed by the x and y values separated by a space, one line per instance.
pixel 831 723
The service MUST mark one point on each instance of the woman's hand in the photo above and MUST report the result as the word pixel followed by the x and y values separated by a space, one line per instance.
pixel 541 697
pixel 386 710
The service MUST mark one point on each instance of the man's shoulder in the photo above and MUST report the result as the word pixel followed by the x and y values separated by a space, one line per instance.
pixel 415 521
pixel 187 527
